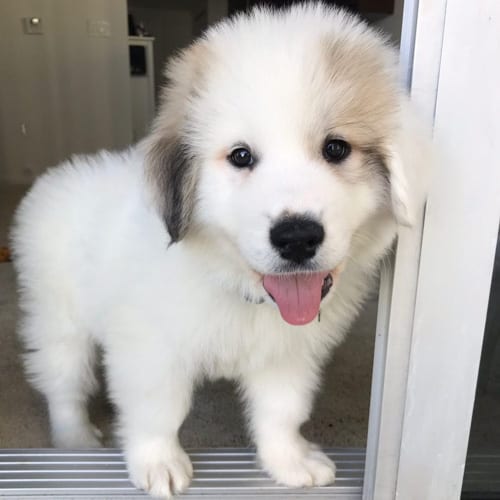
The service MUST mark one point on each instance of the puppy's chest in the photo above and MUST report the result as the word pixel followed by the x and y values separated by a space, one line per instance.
pixel 248 337
pixel 231 342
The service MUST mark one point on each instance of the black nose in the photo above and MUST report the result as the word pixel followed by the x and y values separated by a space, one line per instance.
pixel 297 238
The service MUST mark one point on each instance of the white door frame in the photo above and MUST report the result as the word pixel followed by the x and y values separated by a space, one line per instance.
pixel 433 305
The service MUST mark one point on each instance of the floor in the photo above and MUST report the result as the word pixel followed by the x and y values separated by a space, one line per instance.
pixel 340 416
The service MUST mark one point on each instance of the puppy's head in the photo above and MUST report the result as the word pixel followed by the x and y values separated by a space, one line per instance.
pixel 284 133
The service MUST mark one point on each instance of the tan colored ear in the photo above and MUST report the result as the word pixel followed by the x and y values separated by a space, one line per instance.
pixel 170 163
pixel 400 196
pixel 410 159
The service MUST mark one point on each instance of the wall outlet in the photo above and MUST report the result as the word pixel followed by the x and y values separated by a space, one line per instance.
pixel 98 28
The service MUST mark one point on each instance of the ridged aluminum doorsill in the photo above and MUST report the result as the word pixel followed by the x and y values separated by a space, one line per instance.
pixel 218 473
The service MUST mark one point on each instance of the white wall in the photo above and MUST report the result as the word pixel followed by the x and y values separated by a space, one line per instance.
pixel 61 92
pixel 171 28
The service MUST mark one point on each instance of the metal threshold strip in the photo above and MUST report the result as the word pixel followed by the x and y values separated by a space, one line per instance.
pixel 218 473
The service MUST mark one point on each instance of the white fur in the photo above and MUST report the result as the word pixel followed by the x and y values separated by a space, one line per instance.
pixel 95 265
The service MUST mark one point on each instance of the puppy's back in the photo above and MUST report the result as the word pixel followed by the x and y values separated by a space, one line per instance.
pixel 60 224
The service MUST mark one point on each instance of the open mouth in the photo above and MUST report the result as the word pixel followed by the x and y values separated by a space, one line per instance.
pixel 298 296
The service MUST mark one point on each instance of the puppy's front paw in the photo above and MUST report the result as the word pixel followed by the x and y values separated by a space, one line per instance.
pixel 298 465
pixel 159 469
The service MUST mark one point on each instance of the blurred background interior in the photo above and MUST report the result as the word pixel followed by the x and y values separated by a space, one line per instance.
pixel 77 76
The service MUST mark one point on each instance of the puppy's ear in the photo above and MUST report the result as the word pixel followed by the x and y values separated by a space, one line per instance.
pixel 401 201
pixel 173 175
pixel 171 166
pixel 409 159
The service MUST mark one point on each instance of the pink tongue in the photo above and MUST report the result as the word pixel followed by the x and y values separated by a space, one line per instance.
pixel 298 295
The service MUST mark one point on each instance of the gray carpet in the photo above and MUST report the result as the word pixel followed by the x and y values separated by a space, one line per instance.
pixel 340 417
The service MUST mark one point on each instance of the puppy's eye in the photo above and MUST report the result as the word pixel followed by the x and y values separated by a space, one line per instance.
pixel 241 158
pixel 336 150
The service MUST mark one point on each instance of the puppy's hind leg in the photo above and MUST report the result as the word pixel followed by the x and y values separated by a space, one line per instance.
pixel 59 362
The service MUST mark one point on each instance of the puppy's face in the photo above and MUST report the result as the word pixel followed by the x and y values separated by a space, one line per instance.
pixel 277 136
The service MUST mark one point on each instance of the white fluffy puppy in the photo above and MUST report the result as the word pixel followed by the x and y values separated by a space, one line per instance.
pixel 238 240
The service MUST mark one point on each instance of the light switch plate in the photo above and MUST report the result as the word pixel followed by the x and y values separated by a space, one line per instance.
pixel 33 25
pixel 98 28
